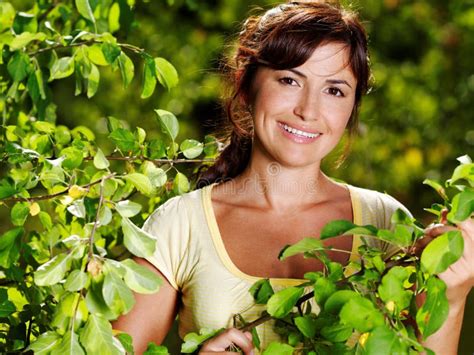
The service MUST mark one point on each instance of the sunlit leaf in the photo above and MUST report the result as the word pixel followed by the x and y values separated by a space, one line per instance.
pixel 100 161
pixel 166 73
pixel 181 184
pixel 62 68
pixel 278 349
pixel 139 278
pixel 136 240
pixel 127 69
pixel 361 314
pixel 169 123
pixel 303 246
pixel 45 343
pixel 441 252
pixel 96 336
pixel 141 182
pixel 282 302
pixel 192 340
pixel 84 8
pixel 191 148
pixel 53 271
pixel 431 316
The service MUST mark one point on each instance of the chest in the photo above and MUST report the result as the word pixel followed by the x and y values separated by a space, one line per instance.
pixel 253 240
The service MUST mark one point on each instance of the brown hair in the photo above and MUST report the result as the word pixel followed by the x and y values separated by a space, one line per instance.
pixel 284 37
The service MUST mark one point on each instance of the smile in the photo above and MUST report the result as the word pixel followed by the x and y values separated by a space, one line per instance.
pixel 298 132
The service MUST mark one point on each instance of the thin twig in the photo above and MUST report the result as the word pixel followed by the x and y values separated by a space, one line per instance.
pixel 156 161
pixel 48 197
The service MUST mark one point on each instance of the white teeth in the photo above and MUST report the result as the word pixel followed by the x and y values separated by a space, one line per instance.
pixel 300 133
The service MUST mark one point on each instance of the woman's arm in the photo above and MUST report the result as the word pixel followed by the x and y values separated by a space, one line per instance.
pixel 459 279
pixel 152 315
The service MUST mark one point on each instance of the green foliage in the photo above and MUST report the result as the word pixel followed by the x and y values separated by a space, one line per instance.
pixel 74 204
pixel 374 302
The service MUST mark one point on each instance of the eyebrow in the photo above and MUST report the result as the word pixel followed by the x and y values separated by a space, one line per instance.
pixel 330 81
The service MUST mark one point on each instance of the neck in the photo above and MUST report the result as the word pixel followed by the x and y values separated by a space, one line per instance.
pixel 280 187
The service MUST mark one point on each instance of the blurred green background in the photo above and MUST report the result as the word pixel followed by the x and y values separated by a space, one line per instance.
pixel 415 122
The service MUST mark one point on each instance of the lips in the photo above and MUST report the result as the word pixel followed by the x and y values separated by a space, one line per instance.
pixel 297 134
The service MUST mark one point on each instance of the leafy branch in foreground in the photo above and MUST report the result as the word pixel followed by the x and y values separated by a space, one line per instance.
pixel 368 306
pixel 74 207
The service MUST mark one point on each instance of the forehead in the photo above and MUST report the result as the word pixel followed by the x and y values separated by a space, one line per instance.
pixel 330 59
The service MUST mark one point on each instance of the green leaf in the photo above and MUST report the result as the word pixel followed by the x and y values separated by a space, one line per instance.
pixel 361 314
pixel 6 306
pixel 282 302
pixel 85 9
pixel 76 281
pixel 392 289
pixel 154 349
pixel 384 341
pixel 7 16
pixel 443 251
pixel 180 184
pixel 127 342
pixel 337 333
pixel 156 175
pixel 23 39
pixel 10 244
pixel 169 123
pixel 6 190
pixel 114 17
pixel 127 69
pixel 69 345
pixel 157 149
pixel 73 157
pixel 124 139
pixel 62 68
pixel 275 348
pixel 149 79
pixel 431 316
pixel 78 209
pixel 166 73
pixel 45 220
pixel 306 325
pixel 93 81
pixel 462 206
pixel 45 343
pixel 210 146
pixel 128 208
pixel 19 213
pixel 323 288
pixel 303 246
pixel 141 182
pixel 53 271
pixel 96 336
pixel 463 171
pixel 100 161
pixel 437 187
pixel 111 51
pixel 139 278
pixel 136 240
pixel 36 86
pixel 338 299
pixel 96 55
pixel 191 148
pixel 192 340
pixel 341 227
pixel 19 66
pixel 116 293
pixel 95 301
pixel 113 124
pixel 261 291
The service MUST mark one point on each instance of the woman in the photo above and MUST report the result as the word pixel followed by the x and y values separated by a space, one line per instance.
pixel 298 76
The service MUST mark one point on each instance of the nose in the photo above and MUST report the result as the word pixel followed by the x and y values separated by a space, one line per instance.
pixel 308 107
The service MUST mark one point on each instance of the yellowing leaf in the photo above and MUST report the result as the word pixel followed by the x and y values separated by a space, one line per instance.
pixel 34 209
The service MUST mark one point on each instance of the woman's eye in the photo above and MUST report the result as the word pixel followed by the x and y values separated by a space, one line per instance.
pixel 288 81
pixel 335 92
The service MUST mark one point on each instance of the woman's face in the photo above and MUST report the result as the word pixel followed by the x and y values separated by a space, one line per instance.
pixel 300 114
